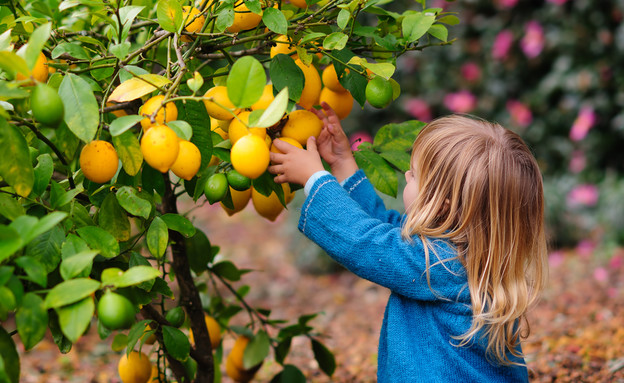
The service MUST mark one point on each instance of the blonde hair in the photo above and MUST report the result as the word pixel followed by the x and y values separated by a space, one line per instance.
pixel 480 187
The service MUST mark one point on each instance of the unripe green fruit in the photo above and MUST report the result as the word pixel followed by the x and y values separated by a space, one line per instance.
pixel 47 106
pixel 175 316
pixel 115 311
pixel 379 92
pixel 216 187
pixel 238 181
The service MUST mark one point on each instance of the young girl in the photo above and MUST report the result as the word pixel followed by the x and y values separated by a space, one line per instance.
pixel 463 264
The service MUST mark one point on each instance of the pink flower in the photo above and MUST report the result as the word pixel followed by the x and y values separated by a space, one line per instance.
pixel 358 138
pixel 533 41
pixel 577 162
pixel 601 274
pixel 583 195
pixel 555 259
pixel 585 248
pixel 520 114
pixel 471 71
pixel 460 102
pixel 419 109
pixel 616 262
pixel 583 123
pixel 502 44
pixel 557 2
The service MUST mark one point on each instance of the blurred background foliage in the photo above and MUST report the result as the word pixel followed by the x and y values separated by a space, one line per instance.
pixel 547 69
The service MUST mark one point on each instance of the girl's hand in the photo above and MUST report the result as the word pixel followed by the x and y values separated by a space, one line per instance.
pixel 294 164
pixel 333 144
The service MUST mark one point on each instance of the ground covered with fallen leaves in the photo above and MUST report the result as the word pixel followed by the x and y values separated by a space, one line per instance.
pixel 577 331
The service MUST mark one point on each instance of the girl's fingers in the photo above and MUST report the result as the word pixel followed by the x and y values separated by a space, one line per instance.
pixel 276 169
pixel 276 158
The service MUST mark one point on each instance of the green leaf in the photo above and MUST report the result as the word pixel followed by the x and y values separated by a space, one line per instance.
pixel 169 14
pixel 35 44
pixel 75 318
pixel 10 208
pixel 59 197
pixel 129 152
pixel 100 239
pixel 176 343
pixel 274 112
pixel 385 70
pixel 449 20
pixel 286 74
pixel 342 20
pixel 324 357
pixel 15 167
pixel 228 270
pixel 336 40
pixel 121 124
pixel 157 237
pixel 290 374
pixel 198 251
pixel 9 357
pixel 120 342
pixel 182 128
pixel 46 248
pixel 439 32
pixel 129 199
pixel 74 265
pixel 225 17
pixel 31 320
pixel 136 275
pixel 114 219
pixel 275 20
pixel 137 87
pixel 35 271
pixel 70 291
pixel 10 242
pixel 257 350
pixel 81 107
pixel 381 175
pixel 415 25
pixel 246 81
pixel 73 49
pixel 397 137
pixel 136 332
pixel 179 223
pixel 43 173
pixel 7 302
pixel 195 114
pixel 13 64
pixel 400 159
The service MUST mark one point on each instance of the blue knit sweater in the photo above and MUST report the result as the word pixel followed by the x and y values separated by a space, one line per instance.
pixel 352 225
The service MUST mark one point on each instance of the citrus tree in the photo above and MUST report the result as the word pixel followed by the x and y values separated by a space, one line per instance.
pixel 114 110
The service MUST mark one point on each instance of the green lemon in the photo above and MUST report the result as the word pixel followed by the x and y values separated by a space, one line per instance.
pixel 238 181
pixel 175 316
pixel 379 92
pixel 115 311
pixel 47 105
pixel 216 187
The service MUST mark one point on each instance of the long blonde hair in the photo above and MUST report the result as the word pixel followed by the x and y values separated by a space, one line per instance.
pixel 480 186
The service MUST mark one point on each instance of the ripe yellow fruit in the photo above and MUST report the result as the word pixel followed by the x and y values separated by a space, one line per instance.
pixel 244 19
pixel 234 362
pixel 301 125
pixel 238 128
pixel 312 88
pixel 160 147
pixel 266 99
pixel 250 156
pixel 155 377
pixel 187 163
pixel 99 161
pixel 194 20
pixel 214 330
pixel 291 141
pixel 341 103
pixel 151 339
pixel 118 112
pixel 216 126
pixel 283 46
pixel 240 199
pixel 39 72
pixel 330 79
pixel 218 104
pixel 270 207
pixel 166 113
pixel 299 3
pixel 135 368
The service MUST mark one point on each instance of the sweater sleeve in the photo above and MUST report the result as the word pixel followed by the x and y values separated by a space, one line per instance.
pixel 361 190
pixel 375 250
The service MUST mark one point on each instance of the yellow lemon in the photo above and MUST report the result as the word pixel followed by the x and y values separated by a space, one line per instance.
pixel 214 331
pixel 312 87
pixel 118 112
pixel 215 126
pixel 266 99
pixel 187 163
pixel 234 362
pixel 301 125
pixel 135 368
pixel 299 3
pixel 218 104
pixel 283 45
pixel 240 199
pixel 39 72
pixel 244 19
pixel 250 156
pixel 160 147
pixel 341 103
pixel 238 128
pixel 330 79
pixel 99 161
pixel 270 207
pixel 194 20
pixel 166 113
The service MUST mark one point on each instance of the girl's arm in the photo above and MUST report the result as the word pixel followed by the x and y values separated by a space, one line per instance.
pixel 375 250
